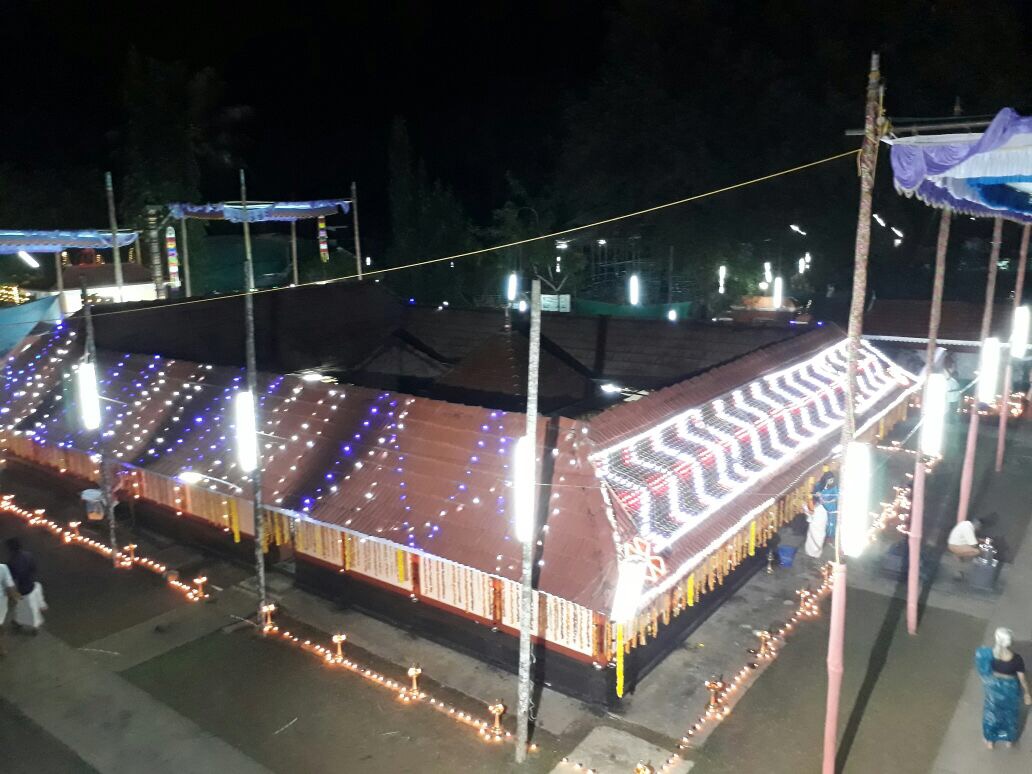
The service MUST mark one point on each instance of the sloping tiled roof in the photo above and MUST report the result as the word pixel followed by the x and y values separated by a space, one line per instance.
pixel 961 320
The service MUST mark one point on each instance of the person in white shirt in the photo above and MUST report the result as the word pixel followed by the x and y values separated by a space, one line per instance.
pixel 953 395
pixel 963 540
pixel 7 591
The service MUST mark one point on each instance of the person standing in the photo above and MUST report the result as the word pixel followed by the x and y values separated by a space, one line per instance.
pixel 7 592
pixel 28 612
pixel 953 393
pixel 1003 678
pixel 827 494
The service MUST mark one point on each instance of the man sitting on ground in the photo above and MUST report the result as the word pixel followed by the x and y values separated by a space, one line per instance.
pixel 963 540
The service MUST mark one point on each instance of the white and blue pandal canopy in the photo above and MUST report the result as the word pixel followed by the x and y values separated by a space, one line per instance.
pixel 15 241
pixel 984 175
pixel 258 212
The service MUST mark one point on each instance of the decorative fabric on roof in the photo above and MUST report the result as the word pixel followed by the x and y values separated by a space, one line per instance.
pixel 986 175
pixel 258 212
pixel 672 477
pixel 12 242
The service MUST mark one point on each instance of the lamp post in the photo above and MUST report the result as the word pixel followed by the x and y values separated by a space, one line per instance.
pixel 1018 344
pixel 248 452
pixel 109 189
pixel 967 472
pixel 92 418
pixel 525 501
pixel 634 290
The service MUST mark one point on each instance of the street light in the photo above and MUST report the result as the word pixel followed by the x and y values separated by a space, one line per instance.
pixel 768 276
pixel 1019 333
pixel 246 432
pixel 778 292
pixel 32 262
pixel 797 229
pixel 634 290
pixel 672 315
pixel 933 415
pixel 721 276
pixel 854 508
pixel 629 583
pixel 988 368
pixel 802 265
pixel 89 396
pixel 196 477
pixel 511 287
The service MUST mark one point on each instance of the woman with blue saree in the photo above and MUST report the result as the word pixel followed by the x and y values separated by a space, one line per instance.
pixel 1003 678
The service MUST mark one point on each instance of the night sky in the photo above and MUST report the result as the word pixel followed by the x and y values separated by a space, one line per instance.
pixel 488 88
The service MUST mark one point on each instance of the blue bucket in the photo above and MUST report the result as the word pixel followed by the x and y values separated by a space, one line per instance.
pixel 786 555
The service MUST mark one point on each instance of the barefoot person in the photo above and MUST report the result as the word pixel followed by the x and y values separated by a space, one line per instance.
pixel 28 612
pixel 1003 678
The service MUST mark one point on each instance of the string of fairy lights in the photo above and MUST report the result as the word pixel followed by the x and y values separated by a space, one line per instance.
pixel 334 657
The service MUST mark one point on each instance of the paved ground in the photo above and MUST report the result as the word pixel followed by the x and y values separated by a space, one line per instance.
pixel 129 677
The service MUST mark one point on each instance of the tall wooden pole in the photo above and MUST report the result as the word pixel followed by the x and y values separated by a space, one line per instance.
pixel 837 633
pixel 110 190
pixel 526 590
pixel 293 249
pixel 917 496
pixel 252 386
pixel 967 473
pixel 107 495
pixel 59 271
pixel 1019 287
pixel 186 257
pixel 354 220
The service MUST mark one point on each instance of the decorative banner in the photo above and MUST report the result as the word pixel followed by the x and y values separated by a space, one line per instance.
pixel 324 250
pixel 173 257
pixel 655 567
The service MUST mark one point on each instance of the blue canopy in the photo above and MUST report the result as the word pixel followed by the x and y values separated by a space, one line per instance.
pixel 54 241
pixel 987 174
pixel 261 211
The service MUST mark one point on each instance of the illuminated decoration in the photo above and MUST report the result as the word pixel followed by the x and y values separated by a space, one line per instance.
pixel 933 415
pixel 670 478
pixel 246 431
pixel 768 275
pixel 1019 333
pixel 655 566
pixel 28 259
pixel 173 257
pixel 778 292
pixel 414 672
pixel 671 315
pixel 721 277
pixel 629 585
pixel 634 290
pixel 89 398
pixel 808 258
pixel 802 265
pixel 324 248
pixel 988 370
pixel 525 486
pixel 797 229
pixel 511 287
pixel 854 502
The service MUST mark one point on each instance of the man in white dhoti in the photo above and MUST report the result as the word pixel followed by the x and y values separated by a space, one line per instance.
pixel 7 591
pixel 28 612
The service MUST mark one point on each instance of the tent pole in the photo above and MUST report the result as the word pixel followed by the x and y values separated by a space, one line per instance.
pixel 967 474
pixel 293 249
pixel 110 190
pixel 1019 286
pixel 354 218
pixel 59 271
pixel 157 275
pixel 917 506
pixel 186 256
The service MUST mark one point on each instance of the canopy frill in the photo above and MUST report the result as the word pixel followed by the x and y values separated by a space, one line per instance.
pixel 258 212
pixel 14 241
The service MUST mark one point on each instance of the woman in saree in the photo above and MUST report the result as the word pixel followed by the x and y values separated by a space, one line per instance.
pixel 1003 678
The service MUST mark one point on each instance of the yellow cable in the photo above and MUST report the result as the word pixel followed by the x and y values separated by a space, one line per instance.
pixel 516 243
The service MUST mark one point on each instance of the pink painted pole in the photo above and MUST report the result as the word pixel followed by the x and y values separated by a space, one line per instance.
pixel 968 472
pixel 1019 287
pixel 916 534
pixel 836 648
pixel 917 495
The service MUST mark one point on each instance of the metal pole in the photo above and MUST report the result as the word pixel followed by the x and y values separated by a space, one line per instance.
pixel 526 591
pixel 252 385
pixel 59 271
pixel 293 249
pixel 186 257
pixel 157 275
pixel 106 495
pixel 967 474
pixel 110 189
pixel 837 633
pixel 670 276
pixel 917 498
pixel 354 218
pixel 1019 286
